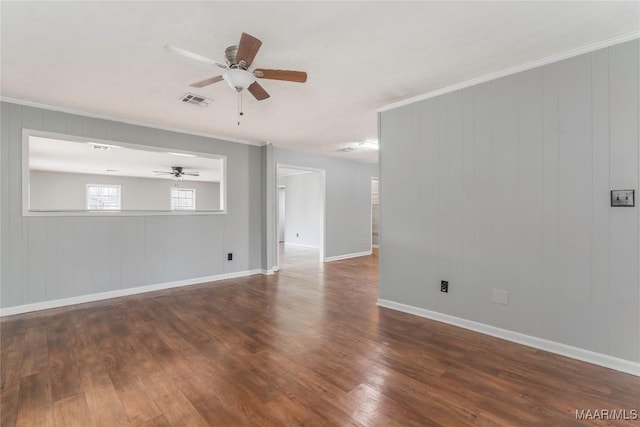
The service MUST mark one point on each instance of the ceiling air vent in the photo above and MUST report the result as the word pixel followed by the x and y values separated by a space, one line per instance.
pixel 200 101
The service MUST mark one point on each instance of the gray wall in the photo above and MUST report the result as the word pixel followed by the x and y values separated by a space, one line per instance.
pixel 348 200
pixel 68 191
pixel 506 185
pixel 46 258
pixel 303 208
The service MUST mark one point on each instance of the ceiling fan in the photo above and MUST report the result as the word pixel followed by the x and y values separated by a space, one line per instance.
pixel 238 59
pixel 177 172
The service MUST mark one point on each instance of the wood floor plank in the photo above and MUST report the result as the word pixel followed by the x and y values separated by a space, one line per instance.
pixel 36 352
pixel 35 407
pixel 175 407
pixel 63 368
pixel 105 407
pixel 72 411
pixel 306 346
pixel 9 401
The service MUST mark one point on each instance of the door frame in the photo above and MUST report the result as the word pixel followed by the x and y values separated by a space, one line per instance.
pixel 374 178
pixel 323 192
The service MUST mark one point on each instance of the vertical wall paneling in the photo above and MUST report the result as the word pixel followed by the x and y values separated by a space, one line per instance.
pixel 48 258
pixel 444 200
pixel 455 199
pixel 466 301
pixel 403 246
pixel 575 191
pixel 514 180
pixel 550 198
pixel 64 258
pixel 600 262
pixel 18 230
pixel 5 253
pixel 429 206
pixel 623 98
pixel 527 297
pixel 504 195
pixel 484 230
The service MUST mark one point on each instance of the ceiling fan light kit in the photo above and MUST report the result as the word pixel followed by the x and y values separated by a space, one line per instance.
pixel 238 78
pixel 238 59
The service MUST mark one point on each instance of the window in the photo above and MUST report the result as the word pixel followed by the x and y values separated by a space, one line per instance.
pixel 67 175
pixel 183 199
pixel 103 197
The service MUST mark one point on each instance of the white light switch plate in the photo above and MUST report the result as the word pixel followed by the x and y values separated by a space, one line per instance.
pixel 623 198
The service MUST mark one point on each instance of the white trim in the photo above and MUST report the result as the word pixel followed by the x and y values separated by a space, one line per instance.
pixel 347 256
pixel 44 305
pixel 517 69
pixel 323 208
pixel 26 198
pixel 126 121
pixel 302 245
pixel 589 356
pixel 375 246
pixel 268 272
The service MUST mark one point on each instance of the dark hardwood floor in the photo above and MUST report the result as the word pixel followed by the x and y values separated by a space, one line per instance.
pixel 307 346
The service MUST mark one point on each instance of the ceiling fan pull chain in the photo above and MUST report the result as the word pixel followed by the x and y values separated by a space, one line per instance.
pixel 239 106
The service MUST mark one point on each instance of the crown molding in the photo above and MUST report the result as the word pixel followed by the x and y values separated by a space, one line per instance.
pixel 517 69
pixel 122 120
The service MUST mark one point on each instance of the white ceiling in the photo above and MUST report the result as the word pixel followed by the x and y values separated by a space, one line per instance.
pixel 79 157
pixel 107 58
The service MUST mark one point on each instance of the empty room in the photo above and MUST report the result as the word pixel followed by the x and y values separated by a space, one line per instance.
pixel 384 213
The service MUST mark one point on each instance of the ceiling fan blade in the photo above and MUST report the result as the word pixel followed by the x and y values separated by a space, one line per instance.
pixel 247 49
pixel 162 173
pixel 258 91
pixel 286 75
pixel 206 82
pixel 192 55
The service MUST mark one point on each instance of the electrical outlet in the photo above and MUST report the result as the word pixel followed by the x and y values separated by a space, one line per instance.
pixel 229 256
pixel 500 296
pixel 444 286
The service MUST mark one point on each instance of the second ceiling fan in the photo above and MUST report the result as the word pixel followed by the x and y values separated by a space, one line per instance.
pixel 236 70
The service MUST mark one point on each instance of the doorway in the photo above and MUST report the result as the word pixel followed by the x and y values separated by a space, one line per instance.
pixel 282 213
pixel 300 215
pixel 375 215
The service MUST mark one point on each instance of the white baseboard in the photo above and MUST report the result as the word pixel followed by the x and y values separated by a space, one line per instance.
pixel 302 245
pixel 268 272
pixel 44 305
pixel 375 246
pixel 347 256
pixel 589 356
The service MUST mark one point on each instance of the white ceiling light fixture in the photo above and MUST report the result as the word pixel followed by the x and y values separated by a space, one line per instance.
pixel 371 144
pixel 367 145
pixel 101 146
pixel 238 79
pixel 238 59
